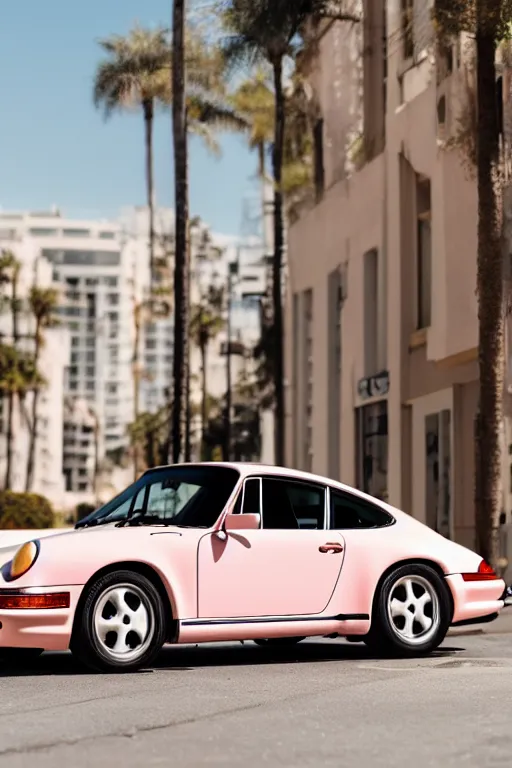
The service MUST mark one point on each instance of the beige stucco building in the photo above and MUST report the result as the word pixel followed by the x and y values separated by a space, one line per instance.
pixel 382 368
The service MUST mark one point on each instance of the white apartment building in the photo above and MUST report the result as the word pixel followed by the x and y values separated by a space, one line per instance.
pixel 102 269
pixel 87 261
pixel 48 478
pixel 156 339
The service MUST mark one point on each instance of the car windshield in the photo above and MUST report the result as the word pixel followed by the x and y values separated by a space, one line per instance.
pixel 191 496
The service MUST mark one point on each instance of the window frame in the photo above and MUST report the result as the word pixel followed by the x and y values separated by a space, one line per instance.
pixel 364 502
pixel 296 481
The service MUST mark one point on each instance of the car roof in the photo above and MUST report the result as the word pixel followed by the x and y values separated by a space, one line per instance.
pixel 247 468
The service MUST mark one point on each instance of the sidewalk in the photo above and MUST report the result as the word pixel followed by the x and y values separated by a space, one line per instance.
pixel 502 626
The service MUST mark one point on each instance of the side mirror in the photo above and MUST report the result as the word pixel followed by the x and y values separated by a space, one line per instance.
pixel 249 522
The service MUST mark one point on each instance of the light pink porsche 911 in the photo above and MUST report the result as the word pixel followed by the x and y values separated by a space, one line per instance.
pixel 202 553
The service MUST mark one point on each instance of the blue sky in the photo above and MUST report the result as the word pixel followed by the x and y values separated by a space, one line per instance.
pixel 56 149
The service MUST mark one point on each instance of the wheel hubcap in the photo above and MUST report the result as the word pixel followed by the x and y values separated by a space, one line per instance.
pixel 413 609
pixel 123 622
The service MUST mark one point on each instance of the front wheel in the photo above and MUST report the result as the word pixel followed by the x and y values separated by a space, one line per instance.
pixel 411 614
pixel 122 626
pixel 279 642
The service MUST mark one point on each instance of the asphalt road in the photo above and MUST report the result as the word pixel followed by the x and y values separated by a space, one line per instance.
pixel 323 703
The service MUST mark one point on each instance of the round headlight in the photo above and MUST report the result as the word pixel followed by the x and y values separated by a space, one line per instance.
pixel 24 559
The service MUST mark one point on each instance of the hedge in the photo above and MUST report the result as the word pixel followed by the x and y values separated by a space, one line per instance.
pixel 24 510
pixel 84 509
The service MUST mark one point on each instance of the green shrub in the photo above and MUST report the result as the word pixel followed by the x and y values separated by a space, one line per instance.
pixel 84 509
pixel 25 510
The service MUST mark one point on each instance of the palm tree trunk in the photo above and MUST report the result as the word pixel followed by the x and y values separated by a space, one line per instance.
pixel 489 286
pixel 261 161
pixel 12 394
pixel 148 109
pixel 10 441
pixel 33 420
pixel 96 459
pixel 188 405
pixel 204 395
pixel 181 205
pixel 137 317
pixel 277 162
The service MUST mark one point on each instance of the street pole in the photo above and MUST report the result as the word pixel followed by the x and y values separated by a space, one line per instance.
pixel 227 450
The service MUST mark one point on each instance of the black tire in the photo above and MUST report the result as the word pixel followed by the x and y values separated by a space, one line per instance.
pixel 279 642
pixel 19 656
pixel 387 636
pixel 99 653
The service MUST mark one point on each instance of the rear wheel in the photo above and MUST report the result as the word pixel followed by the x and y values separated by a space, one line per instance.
pixel 122 626
pixel 279 642
pixel 411 612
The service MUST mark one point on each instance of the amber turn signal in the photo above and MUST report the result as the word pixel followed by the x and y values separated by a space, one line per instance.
pixel 30 602
pixel 24 559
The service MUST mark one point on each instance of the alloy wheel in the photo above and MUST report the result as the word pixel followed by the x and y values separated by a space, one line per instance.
pixel 413 609
pixel 123 622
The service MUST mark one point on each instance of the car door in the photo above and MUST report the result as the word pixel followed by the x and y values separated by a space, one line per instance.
pixel 289 567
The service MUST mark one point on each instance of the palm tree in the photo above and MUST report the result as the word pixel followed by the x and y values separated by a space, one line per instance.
pixel 205 323
pixel 488 21
pixel 43 303
pixel 181 263
pixel 255 99
pixel 269 31
pixel 489 281
pixel 198 105
pixel 133 77
pixel 10 269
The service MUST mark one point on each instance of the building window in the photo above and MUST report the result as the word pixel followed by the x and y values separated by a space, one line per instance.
pixel 43 232
pixel 318 142
pixel 408 28
pixel 371 313
pixel 308 381
pixel 334 310
pixel 438 471
pixel 424 253
pixel 372 449
pixel 76 232
pixel 295 390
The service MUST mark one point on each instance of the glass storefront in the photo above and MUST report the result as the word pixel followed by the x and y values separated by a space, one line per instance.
pixel 372 449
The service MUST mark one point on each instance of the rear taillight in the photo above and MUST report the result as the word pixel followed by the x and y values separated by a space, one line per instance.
pixel 484 573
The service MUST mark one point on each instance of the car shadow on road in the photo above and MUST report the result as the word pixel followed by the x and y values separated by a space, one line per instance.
pixel 189 658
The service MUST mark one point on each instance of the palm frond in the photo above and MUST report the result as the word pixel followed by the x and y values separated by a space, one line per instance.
pixel 206 133
pixel 208 109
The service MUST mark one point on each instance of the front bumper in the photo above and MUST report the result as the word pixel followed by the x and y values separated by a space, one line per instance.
pixel 46 628
pixel 473 601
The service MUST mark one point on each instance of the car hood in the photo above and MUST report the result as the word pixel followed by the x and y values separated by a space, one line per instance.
pixel 89 544
pixel 17 537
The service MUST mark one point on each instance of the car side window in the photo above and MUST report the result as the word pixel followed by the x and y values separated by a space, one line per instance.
pixel 292 505
pixel 350 512
pixel 252 497
pixel 248 500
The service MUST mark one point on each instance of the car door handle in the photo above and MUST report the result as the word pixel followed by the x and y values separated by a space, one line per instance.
pixel 333 547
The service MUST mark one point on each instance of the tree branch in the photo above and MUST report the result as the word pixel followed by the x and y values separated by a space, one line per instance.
pixel 338 16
